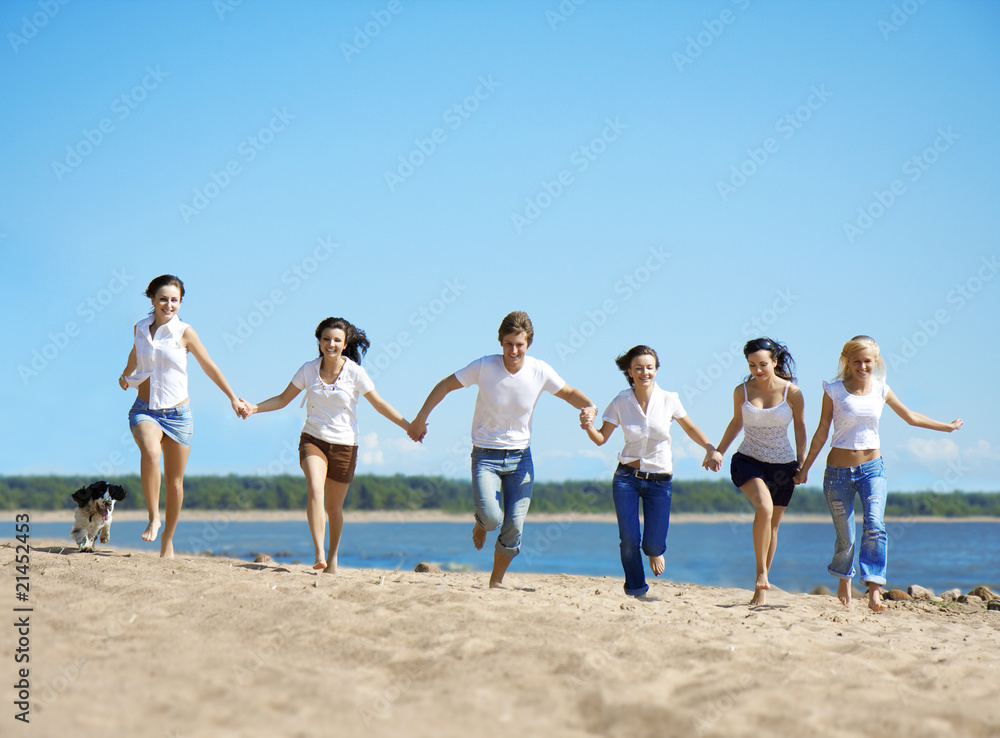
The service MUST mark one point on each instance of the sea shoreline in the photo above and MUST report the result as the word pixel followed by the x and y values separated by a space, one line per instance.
pixel 439 516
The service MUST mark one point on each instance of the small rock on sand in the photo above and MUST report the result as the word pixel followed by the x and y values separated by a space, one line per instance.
pixel 897 595
pixel 984 593
pixel 920 593
pixel 951 595
pixel 423 567
pixel 263 559
pixel 970 599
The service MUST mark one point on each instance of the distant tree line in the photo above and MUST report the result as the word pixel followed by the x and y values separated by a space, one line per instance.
pixel 399 492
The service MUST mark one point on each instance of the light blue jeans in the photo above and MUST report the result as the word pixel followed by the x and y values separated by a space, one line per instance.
pixel 840 485
pixel 501 488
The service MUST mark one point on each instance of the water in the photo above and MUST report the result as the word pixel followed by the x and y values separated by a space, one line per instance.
pixel 935 555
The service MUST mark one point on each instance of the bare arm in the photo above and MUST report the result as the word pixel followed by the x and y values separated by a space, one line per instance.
pixel 917 419
pixel 418 428
pixel 192 343
pixel 386 410
pixel 574 397
pixel 735 425
pixel 818 439
pixel 713 459
pixel 600 437
pixel 273 403
pixel 797 403
pixel 129 368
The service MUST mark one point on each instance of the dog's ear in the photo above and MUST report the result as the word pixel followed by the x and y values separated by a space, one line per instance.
pixel 117 492
pixel 82 496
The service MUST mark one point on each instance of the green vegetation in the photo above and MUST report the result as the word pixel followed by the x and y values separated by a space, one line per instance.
pixel 401 492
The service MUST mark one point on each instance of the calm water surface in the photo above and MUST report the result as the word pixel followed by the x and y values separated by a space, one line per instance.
pixel 935 555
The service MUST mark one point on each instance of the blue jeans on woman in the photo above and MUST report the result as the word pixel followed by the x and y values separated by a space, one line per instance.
pixel 501 488
pixel 627 490
pixel 840 485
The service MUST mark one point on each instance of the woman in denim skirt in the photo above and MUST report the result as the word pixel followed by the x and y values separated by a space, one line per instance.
pixel 645 464
pixel 160 418
pixel 853 404
pixel 502 472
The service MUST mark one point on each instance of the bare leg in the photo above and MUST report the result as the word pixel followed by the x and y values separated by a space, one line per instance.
pixel 336 492
pixel 844 592
pixel 175 457
pixel 756 491
pixel 500 563
pixel 478 536
pixel 148 437
pixel 875 597
pixel 314 466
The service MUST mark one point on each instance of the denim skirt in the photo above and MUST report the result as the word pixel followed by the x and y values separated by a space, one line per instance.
pixel 176 422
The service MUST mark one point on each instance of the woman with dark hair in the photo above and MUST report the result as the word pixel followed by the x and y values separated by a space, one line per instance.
pixel 853 405
pixel 328 446
pixel 160 418
pixel 764 466
pixel 502 472
pixel 645 464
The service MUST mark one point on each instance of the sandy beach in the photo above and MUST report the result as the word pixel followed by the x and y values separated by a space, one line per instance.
pixel 125 644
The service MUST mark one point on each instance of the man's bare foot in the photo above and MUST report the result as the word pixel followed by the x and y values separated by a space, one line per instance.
pixel 762 582
pixel 497 585
pixel 319 565
pixel 478 536
pixel 151 530
pixel 875 603
pixel 844 592
pixel 657 565
pixel 759 598
pixel 166 548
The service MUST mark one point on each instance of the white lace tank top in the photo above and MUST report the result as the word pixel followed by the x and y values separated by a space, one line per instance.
pixel 765 431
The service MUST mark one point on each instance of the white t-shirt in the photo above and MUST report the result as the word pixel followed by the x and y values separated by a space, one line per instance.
pixel 505 402
pixel 331 409
pixel 647 435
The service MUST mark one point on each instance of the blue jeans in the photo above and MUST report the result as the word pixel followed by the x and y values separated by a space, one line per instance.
pixel 501 489
pixel 627 490
pixel 840 485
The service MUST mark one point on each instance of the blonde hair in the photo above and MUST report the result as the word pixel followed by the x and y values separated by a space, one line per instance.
pixel 516 322
pixel 856 344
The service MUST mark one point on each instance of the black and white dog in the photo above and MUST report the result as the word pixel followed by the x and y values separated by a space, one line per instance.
pixel 95 505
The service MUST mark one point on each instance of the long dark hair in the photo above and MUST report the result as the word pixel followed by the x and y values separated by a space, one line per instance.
pixel 356 343
pixel 624 362
pixel 784 364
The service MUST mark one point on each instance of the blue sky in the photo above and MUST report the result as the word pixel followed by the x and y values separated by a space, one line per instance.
pixel 683 174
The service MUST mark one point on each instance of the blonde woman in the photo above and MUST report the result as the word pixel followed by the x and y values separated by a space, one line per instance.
pixel 853 404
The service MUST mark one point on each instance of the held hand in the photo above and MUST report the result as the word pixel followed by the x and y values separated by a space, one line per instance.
pixel 242 408
pixel 955 425
pixel 713 460
pixel 417 430
pixel 800 476
pixel 587 417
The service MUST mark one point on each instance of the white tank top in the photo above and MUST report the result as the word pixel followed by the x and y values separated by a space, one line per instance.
pixel 765 431
pixel 855 417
